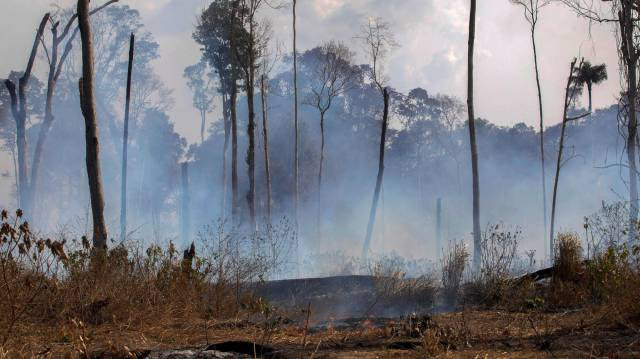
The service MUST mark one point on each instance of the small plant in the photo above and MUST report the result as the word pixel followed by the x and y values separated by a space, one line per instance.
pixel 499 246
pixel 28 270
pixel 454 262
pixel 567 257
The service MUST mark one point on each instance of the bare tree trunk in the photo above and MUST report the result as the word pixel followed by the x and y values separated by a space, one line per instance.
pixel 296 190
pixel 185 215
pixel 567 100
pixel 225 149
pixel 19 112
pixel 56 64
pixel 265 134
pixel 542 167
pixel 630 56
pixel 319 201
pixel 439 227
pixel 234 120
pixel 376 193
pixel 477 251
pixel 48 119
pixel 87 101
pixel 125 144
pixel 203 124
pixel 251 133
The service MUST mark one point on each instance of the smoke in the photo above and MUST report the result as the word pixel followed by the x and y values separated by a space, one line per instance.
pixel 427 159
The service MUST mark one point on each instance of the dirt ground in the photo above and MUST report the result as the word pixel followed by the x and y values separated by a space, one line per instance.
pixel 463 334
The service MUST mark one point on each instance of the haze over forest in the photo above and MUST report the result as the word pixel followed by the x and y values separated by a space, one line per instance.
pixel 427 145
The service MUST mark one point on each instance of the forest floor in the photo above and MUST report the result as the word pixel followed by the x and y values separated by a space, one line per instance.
pixel 462 334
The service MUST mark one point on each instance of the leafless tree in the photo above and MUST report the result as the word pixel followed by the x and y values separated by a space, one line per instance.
pixel 27 187
pixel 334 75
pixel 477 249
pixel 296 160
pixel 531 10
pixel 19 112
pixel 87 104
pixel 268 63
pixel 378 41
pixel 125 144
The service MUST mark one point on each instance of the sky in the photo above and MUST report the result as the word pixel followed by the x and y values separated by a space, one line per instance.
pixel 433 42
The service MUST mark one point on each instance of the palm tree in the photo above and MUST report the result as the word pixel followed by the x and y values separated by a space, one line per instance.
pixel 590 75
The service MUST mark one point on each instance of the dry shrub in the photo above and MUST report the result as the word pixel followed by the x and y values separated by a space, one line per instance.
pixel 56 283
pixel 567 257
pixel 606 228
pixel 28 273
pixel 334 263
pixel 400 293
pixel 454 262
pixel 491 285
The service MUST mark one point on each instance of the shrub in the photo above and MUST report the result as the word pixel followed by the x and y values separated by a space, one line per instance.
pixel 28 272
pixel 454 262
pixel 567 257
pixel 400 293
pixel 499 245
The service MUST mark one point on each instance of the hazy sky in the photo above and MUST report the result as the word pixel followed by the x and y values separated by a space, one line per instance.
pixel 432 35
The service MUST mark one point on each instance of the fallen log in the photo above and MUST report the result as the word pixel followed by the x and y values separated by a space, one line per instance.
pixel 542 274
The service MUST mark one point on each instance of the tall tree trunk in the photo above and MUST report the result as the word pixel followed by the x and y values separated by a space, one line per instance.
pixel 87 101
pixel 234 119
pixel 19 112
pixel 376 192
pixel 296 189
pixel 203 124
pixel 225 148
pixel 439 228
pixel 319 200
pixel 185 215
pixel 251 133
pixel 630 56
pixel 477 250
pixel 591 130
pixel 265 134
pixel 125 144
pixel 48 119
pixel 567 100
pixel 542 166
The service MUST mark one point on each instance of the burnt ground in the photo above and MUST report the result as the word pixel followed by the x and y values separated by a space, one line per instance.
pixel 342 297
pixel 346 321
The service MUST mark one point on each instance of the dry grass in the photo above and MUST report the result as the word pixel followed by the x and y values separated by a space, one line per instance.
pixel 63 299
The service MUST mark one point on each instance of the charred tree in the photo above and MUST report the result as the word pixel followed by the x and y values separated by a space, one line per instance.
pixel 56 64
pixel 19 112
pixel 477 250
pixel 265 135
pixel 185 215
pixel 225 149
pixel 125 144
pixel 234 117
pixel 439 227
pixel 296 185
pixel 376 192
pixel 87 103
pixel 378 41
